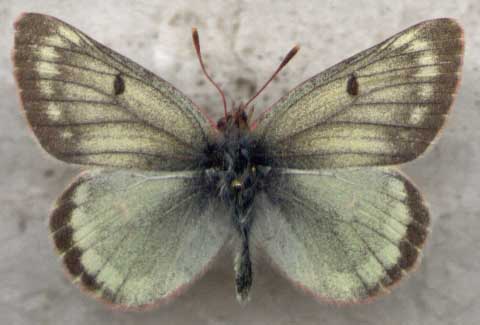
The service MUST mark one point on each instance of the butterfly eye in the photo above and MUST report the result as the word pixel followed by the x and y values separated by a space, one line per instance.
pixel 118 85
pixel 352 85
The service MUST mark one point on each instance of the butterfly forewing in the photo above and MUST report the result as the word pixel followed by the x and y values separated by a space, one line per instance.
pixel 90 105
pixel 133 239
pixel 344 235
pixel 382 106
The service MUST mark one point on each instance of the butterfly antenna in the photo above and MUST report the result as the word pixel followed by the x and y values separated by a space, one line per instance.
pixel 196 43
pixel 287 58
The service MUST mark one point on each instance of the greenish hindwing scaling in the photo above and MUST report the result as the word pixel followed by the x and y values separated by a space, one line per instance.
pixel 311 181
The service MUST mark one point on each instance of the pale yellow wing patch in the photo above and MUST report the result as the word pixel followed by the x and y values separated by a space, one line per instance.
pixel 344 235
pixel 133 239
pixel 90 105
pixel 382 106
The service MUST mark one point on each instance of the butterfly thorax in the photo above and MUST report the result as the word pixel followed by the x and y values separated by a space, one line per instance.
pixel 231 167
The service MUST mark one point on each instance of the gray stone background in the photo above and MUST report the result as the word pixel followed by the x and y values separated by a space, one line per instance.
pixel 243 42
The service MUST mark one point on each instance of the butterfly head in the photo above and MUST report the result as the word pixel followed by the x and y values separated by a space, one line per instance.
pixel 238 119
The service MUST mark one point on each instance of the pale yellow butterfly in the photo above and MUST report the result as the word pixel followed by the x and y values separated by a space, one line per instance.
pixel 309 181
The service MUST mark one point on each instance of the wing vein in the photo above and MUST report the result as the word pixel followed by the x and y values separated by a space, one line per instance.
pixel 63 63
pixel 104 50
pixel 348 106
pixel 147 123
pixel 113 152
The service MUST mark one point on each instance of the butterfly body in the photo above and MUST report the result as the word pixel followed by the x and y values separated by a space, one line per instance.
pixel 235 176
pixel 310 181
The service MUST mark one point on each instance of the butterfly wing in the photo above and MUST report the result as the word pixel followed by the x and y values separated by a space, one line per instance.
pixel 89 105
pixel 133 239
pixel 382 106
pixel 345 235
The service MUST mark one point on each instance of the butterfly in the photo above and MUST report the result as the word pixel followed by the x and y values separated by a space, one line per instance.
pixel 309 182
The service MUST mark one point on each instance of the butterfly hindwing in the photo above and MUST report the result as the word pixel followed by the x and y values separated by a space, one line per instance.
pixel 382 106
pixel 89 105
pixel 344 235
pixel 132 238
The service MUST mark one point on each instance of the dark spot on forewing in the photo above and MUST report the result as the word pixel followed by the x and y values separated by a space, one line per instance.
pixel 352 85
pixel 118 85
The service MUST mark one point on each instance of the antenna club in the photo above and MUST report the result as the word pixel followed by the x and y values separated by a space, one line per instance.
pixel 290 55
pixel 287 58
pixel 196 39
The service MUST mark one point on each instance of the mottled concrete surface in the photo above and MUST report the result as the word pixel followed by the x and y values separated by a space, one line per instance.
pixel 243 41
